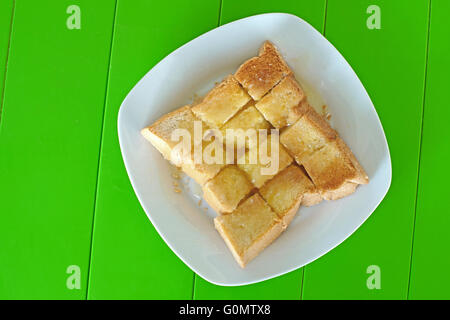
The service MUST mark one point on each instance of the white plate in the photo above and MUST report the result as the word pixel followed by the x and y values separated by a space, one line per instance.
pixel 186 228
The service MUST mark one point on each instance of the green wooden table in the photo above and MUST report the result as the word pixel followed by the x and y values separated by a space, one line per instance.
pixel 67 209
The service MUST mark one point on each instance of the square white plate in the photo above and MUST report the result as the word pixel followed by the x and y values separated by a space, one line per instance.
pixel 193 69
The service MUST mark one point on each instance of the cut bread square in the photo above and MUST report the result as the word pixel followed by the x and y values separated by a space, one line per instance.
pixel 224 192
pixel 260 170
pixel 285 192
pixel 335 170
pixel 221 103
pixel 281 106
pixel 204 169
pixel 249 229
pixel 248 118
pixel 260 74
pixel 309 134
pixel 160 134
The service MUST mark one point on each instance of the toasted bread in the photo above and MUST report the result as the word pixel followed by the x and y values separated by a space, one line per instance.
pixel 249 229
pixel 248 118
pixel 160 133
pixel 255 170
pixel 281 106
pixel 201 172
pixel 285 192
pixel 221 103
pixel 224 192
pixel 206 169
pixel 334 170
pixel 309 134
pixel 260 74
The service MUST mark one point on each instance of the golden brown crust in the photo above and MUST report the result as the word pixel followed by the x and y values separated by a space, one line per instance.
pixel 287 190
pixel 247 118
pixel 260 74
pixel 249 229
pixel 309 134
pixel 332 170
pixel 224 192
pixel 257 172
pixel 160 132
pixel 221 103
pixel 281 106
pixel 360 175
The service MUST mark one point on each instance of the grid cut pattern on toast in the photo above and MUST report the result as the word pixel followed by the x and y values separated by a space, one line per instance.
pixel 224 192
pixel 287 190
pixel 249 229
pixel 255 207
pixel 326 158
pixel 281 106
pixel 260 171
pixel 260 74
pixel 221 103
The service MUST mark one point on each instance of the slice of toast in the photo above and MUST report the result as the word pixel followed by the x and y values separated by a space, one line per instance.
pixel 249 229
pixel 201 172
pixel 261 171
pixel 326 158
pixel 285 192
pixel 281 106
pixel 221 103
pixel 224 192
pixel 335 170
pixel 160 133
pixel 248 118
pixel 309 134
pixel 260 74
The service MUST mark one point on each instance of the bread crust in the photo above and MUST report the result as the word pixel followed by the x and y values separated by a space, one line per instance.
pixel 249 229
pixel 224 192
pixel 287 190
pixel 160 132
pixel 254 171
pixel 281 106
pixel 260 74
pixel 221 103
pixel 309 134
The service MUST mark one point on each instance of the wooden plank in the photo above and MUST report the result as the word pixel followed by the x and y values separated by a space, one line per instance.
pixel 391 64
pixel 6 11
pixel 430 261
pixel 287 286
pixel 49 145
pixel 129 259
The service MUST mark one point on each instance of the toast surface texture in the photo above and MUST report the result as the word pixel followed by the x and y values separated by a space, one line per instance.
pixel 260 74
pixel 160 133
pixel 326 158
pixel 285 192
pixel 281 106
pixel 260 170
pixel 221 103
pixel 248 118
pixel 249 229
pixel 309 134
pixel 224 192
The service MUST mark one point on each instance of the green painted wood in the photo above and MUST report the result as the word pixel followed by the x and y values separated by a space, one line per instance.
pixel 49 146
pixel 391 64
pixel 129 259
pixel 6 11
pixel 287 286
pixel 431 261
